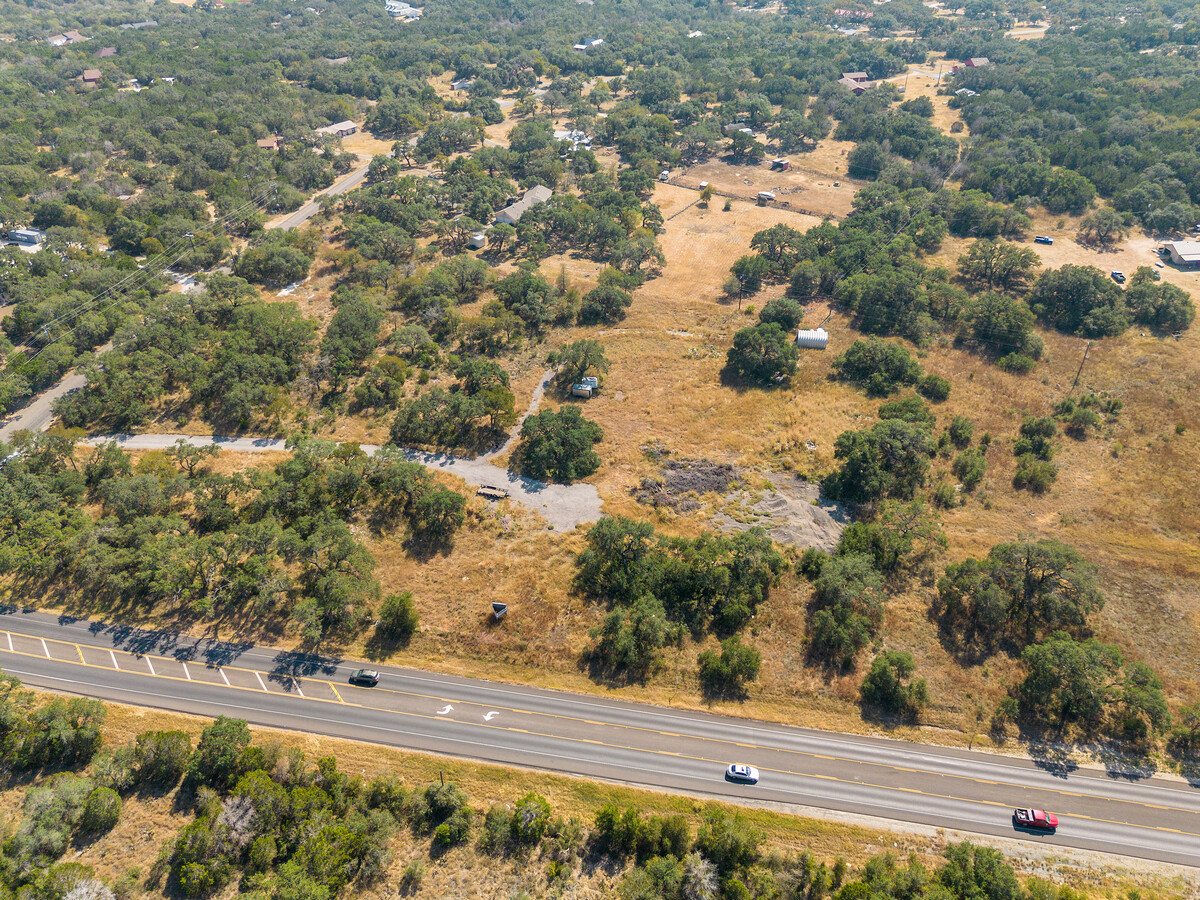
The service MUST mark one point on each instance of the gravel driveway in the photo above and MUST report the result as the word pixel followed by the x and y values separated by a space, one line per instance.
pixel 562 505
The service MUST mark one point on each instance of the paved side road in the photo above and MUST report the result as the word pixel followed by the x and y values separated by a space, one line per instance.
pixel 308 210
pixel 562 505
pixel 681 751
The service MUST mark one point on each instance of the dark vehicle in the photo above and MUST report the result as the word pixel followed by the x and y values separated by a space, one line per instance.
pixel 365 677
pixel 1038 819
pixel 1042 239
pixel 1118 277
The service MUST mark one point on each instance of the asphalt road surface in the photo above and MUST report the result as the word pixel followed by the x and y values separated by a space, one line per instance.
pixel 655 747
pixel 308 210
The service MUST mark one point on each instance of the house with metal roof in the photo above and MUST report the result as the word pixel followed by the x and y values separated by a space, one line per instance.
pixel 536 195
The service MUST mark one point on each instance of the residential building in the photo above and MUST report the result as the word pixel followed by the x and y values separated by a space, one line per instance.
pixel 270 143
pixel 536 195
pixel 853 84
pixel 1185 254
pixel 588 44
pixel 92 76
pixel 67 37
pixel 138 26
pixel 106 52
pixel 339 129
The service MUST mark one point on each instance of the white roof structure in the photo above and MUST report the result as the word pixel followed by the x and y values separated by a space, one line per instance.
pixel 812 339
pixel 1184 251
pixel 339 128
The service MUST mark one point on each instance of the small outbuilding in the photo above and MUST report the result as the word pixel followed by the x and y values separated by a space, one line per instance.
pixel 477 241
pixel 812 339
pixel 28 236
pixel 765 197
pixel 781 164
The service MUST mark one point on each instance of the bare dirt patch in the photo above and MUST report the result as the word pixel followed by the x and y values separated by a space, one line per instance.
pixel 793 512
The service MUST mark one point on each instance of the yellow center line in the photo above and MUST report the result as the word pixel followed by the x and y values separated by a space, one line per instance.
pixel 713 740
pixel 664 753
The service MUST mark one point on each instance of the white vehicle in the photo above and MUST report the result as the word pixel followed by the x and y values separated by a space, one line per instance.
pixel 743 774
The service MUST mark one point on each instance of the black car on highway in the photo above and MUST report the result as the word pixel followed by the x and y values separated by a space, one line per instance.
pixel 365 678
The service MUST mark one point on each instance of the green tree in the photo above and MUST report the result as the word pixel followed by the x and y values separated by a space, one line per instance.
pixel 1089 684
pixel 1160 306
pixel 1104 227
pixel 604 305
pixel 750 272
pixel 531 817
pixel 576 360
pixel 1080 300
pixel 879 367
pixel 763 353
pixel 628 643
pixel 215 761
pixel 557 446
pixel 725 674
pixel 889 685
pixel 1021 592
pixel 784 312
pixel 890 459
pixel 998 264
pixel 847 608
pixel 398 617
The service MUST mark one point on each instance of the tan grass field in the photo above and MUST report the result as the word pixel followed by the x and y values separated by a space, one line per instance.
pixel 147 825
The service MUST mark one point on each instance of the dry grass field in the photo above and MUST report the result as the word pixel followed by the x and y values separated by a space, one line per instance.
pixel 148 824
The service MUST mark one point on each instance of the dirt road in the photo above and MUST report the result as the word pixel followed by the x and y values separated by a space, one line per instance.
pixel 563 506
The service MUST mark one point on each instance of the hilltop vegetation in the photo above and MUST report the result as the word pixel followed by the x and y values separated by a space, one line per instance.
pixel 950 416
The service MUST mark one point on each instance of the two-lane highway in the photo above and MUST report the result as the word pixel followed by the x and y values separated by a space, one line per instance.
pixel 683 751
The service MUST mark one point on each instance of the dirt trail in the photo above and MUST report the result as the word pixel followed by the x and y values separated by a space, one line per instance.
pixel 563 506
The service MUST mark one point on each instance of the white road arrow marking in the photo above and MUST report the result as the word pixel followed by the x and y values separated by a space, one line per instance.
pixel 490 716
pixel 445 710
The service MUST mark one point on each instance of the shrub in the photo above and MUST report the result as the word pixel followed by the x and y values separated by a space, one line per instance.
pixel 1036 437
pixel 101 812
pixel 116 770
pixel 1016 363
pixel 944 496
pixel 263 852
pixel 604 305
pixel 961 430
pixel 935 388
pixel 968 467
pixel 215 759
pixel 414 874
pixel 889 685
pixel 726 673
pixel 398 617
pixel 1035 474
pixel 455 830
pixel 496 829
pixel 162 756
pixel 784 312
pixel 877 366
pixel 530 819
pixel 911 409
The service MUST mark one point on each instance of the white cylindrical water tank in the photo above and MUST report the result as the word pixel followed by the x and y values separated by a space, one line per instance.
pixel 816 339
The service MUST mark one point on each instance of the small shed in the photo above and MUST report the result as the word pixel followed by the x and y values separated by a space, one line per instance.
pixel 477 241
pixel 812 339
pixel 29 236
pixel 781 164
pixel 765 197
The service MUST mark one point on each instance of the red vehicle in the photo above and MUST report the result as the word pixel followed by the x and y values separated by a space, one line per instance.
pixel 1035 818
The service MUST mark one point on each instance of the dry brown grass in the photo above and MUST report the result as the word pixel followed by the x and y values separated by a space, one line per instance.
pixel 146 825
